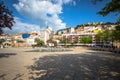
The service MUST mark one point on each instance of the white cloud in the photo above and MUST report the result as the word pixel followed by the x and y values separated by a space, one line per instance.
pixel 20 27
pixel 74 3
pixel 43 12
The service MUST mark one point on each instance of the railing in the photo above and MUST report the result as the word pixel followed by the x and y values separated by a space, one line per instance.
pixel 53 49
pixel 110 49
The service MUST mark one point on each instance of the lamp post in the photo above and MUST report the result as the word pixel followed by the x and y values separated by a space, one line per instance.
pixel 66 39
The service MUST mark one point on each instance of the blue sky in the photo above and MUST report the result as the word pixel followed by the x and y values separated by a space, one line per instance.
pixel 37 14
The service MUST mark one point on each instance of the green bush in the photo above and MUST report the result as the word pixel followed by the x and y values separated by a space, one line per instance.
pixel 40 43
pixel 86 40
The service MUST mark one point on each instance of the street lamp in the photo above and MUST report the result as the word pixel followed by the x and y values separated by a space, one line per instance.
pixel 66 39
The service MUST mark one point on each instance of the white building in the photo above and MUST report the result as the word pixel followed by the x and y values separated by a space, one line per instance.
pixel 31 39
pixel 65 31
pixel 45 35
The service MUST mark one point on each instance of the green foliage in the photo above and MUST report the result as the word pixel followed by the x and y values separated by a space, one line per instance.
pixel 20 41
pixel 6 18
pixel 89 24
pixel 113 6
pixel 2 40
pixel 78 26
pixel 86 40
pixel 40 43
pixel 65 41
pixel 118 21
pixel 104 36
pixel 116 33
pixel 51 41
pixel 98 37
pixel 33 45
pixel 37 39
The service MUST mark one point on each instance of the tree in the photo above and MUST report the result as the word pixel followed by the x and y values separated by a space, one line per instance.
pixel 112 6
pixel 65 41
pixel 86 40
pixel 40 43
pixel 20 41
pixel 118 21
pixel 78 26
pixel 37 39
pixel 51 41
pixel 2 40
pixel 105 36
pixel 116 33
pixel 6 18
pixel 98 37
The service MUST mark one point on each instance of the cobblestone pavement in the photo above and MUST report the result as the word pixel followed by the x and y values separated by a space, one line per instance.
pixel 79 64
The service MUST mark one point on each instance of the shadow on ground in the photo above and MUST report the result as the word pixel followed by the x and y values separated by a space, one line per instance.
pixel 94 66
pixel 6 55
pixel 2 76
pixel 18 76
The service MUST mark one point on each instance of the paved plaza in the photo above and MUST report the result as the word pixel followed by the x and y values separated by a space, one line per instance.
pixel 77 64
